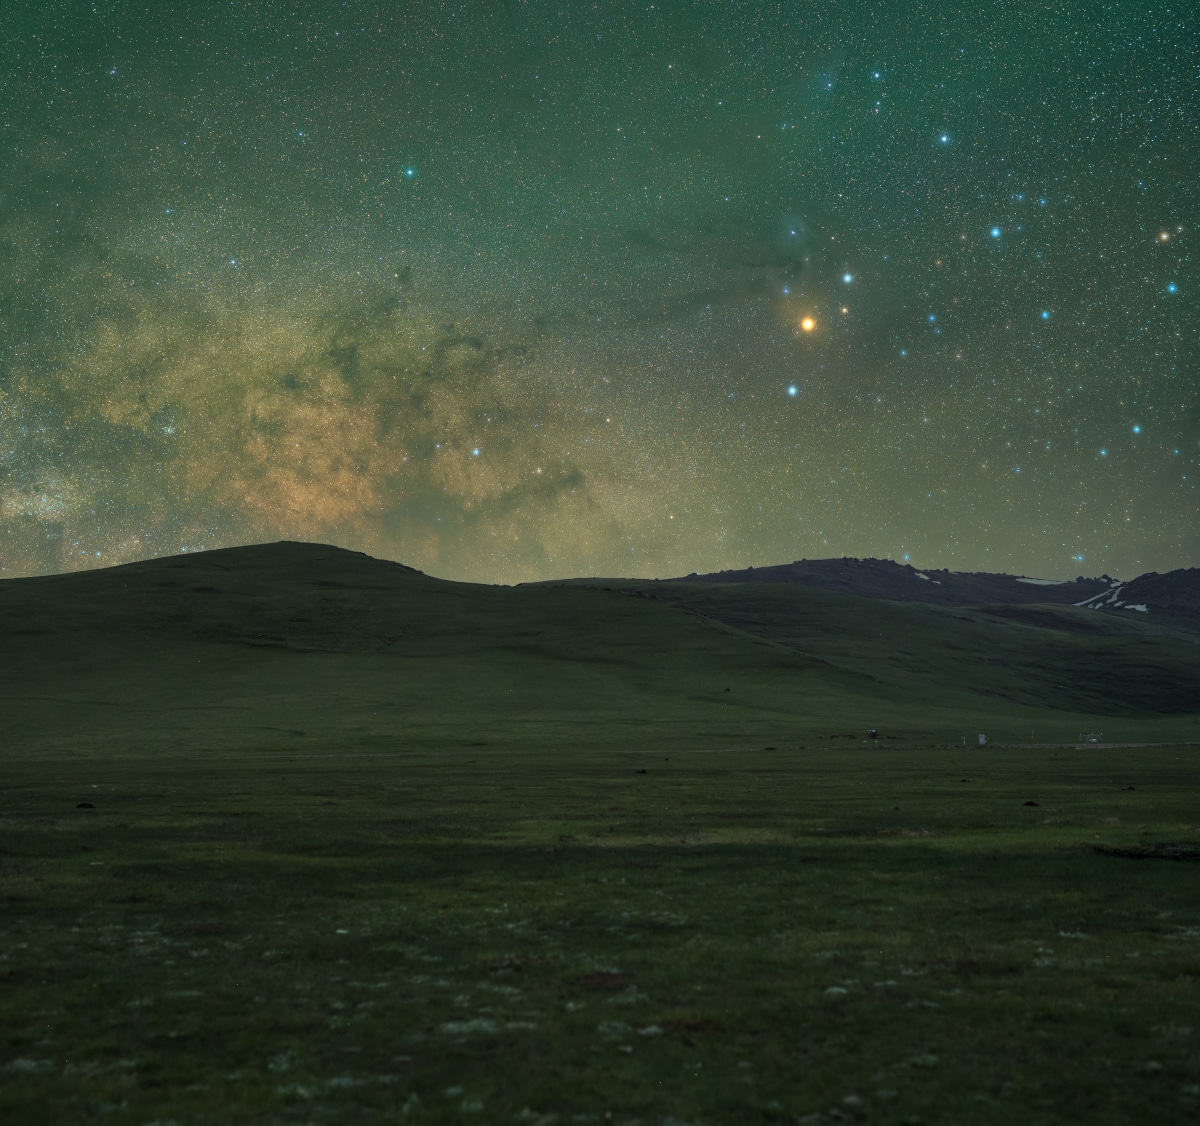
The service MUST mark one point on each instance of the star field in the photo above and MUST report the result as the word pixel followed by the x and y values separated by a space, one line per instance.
pixel 520 290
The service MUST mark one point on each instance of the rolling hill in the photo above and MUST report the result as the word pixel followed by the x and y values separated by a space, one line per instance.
pixel 299 645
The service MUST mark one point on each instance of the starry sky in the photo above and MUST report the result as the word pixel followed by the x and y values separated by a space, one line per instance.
pixel 520 290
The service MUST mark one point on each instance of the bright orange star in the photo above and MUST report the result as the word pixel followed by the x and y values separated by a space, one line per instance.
pixel 808 324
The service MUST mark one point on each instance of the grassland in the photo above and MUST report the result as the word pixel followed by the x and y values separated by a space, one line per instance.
pixel 317 842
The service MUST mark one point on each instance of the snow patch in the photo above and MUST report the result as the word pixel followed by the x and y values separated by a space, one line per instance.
pixel 1140 606
pixel 1041 582
pixel 1104 598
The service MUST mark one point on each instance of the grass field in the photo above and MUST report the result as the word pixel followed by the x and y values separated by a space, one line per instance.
pixel 339 845
pixel 754 936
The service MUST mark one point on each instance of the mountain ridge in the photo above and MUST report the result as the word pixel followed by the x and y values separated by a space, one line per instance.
pixel 1172 596
pixel 269 644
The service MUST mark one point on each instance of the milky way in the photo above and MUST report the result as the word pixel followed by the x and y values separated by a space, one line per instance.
pixel 515 291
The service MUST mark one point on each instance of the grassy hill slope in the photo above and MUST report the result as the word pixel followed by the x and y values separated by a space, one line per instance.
pixel 292 645
pixel 295 646
pixel 1044 656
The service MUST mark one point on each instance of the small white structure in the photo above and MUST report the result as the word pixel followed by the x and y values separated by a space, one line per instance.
pixel 982 739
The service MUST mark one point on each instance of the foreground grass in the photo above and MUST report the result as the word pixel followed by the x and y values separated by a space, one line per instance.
pixel 892 936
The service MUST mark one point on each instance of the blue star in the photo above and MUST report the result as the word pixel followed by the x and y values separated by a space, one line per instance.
pixel 847 278
pixel 792 390
pixel 1137 429
pixel 1104 453
pixel 410 172
pixel 475 452
pixel 1172 287
pixel 945 138
pixel 995 232
pixel 1045 314
pixel 932 317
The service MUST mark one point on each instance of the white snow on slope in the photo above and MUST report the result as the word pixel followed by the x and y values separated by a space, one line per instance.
pixel 1110 600
pixel 1104 598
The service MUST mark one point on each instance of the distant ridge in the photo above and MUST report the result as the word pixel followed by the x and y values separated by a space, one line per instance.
pixel 899 582
pixel 1173 595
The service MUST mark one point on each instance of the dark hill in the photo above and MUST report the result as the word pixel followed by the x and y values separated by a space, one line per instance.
pixel 293 645
pixel 898 582
pixel 1173 596
pixel 299 646
pixel 307 596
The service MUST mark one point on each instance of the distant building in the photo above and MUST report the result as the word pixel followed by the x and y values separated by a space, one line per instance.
pixel 982 739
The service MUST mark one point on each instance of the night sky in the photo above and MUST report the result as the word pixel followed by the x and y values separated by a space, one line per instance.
pixel 510 291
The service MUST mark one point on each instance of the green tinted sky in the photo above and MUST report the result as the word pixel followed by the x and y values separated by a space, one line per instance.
pixel 515 290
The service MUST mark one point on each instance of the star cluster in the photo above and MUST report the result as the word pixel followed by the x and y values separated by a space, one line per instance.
pixel 524 290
